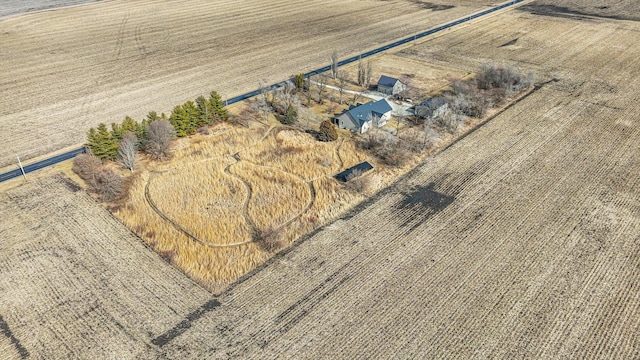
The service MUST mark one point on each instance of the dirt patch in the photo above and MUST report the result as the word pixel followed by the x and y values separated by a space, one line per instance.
pixel 576 13
pixel 431 6
pixel 68 183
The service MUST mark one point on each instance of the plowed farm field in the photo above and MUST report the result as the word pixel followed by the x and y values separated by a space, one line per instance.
pixel 520 240
pixel 76 283
pixel 66 70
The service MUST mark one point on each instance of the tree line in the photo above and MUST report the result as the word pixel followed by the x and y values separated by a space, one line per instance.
pixel 153 135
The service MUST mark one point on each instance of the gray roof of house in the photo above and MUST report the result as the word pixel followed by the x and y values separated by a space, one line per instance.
pixel 433 103
pixel 361 113
pixel 387 81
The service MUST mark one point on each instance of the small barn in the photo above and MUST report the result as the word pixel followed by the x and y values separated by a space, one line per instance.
pixel 431 108
pixel 348 174
pixel 362 116
pixel 391 86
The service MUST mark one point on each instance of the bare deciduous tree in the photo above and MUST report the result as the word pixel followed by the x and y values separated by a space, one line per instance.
pixel 321 83
pixel 431 137
pixel 342 82
pixel 127 150
pixel 334 64
pixel 368 75
pixel 159 138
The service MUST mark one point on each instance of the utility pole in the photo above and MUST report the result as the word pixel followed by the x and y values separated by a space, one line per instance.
pixel 21 168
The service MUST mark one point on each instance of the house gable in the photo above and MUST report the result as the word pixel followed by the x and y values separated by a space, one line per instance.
pixel 390 86
pixel 359 117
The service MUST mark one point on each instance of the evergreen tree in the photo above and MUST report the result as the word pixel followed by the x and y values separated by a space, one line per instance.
pixel 153 116
pixel 102 143
pixel 92 140
pixel 180 121
pixel 291 115
pixel 130 125
pixel 116 131
pixel 204 110
pixel 218 112
pixel 184 119
pixel 192 115
pixel 298 80
pixel 327 131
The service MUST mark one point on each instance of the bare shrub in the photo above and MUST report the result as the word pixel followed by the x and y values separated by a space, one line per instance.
pixel 431 138
pixel 451 121
pixel 110 185
pixel 271 240
pixel 168 255
pixel 356 182
pixel 86 166
pixel 492 75
pixel 159 139
pixel 394 155
pixel 370 141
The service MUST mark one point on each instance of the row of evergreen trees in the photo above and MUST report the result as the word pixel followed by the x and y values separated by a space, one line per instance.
pixel 104 143
pixel 186 119
pixel 190 116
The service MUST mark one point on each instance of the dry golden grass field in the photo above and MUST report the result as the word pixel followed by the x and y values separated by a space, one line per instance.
pixel 64 71
pixel 520 240
pixel 206 208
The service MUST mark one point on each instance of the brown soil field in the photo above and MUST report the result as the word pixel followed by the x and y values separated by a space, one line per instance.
pixel 69 69
pixel 74 282
pixel 520 240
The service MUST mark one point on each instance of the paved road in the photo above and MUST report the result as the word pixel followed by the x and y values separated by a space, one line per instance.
pixel 42 164
pixel 69 155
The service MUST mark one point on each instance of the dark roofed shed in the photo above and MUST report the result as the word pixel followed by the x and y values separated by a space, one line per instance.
pixel 363 166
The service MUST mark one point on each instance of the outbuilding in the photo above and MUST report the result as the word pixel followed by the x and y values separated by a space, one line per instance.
pixel 353 171
pixel 390 86
pixel 432 108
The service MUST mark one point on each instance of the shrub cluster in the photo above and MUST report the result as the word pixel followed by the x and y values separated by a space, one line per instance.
pixel 102 180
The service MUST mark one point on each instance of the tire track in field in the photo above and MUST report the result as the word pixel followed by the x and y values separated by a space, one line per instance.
pixel 121 35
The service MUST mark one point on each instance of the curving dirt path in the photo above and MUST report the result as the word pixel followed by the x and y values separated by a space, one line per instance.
pixel 255 231
pixel 186 232
pixel 245 206
pixel 309 183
